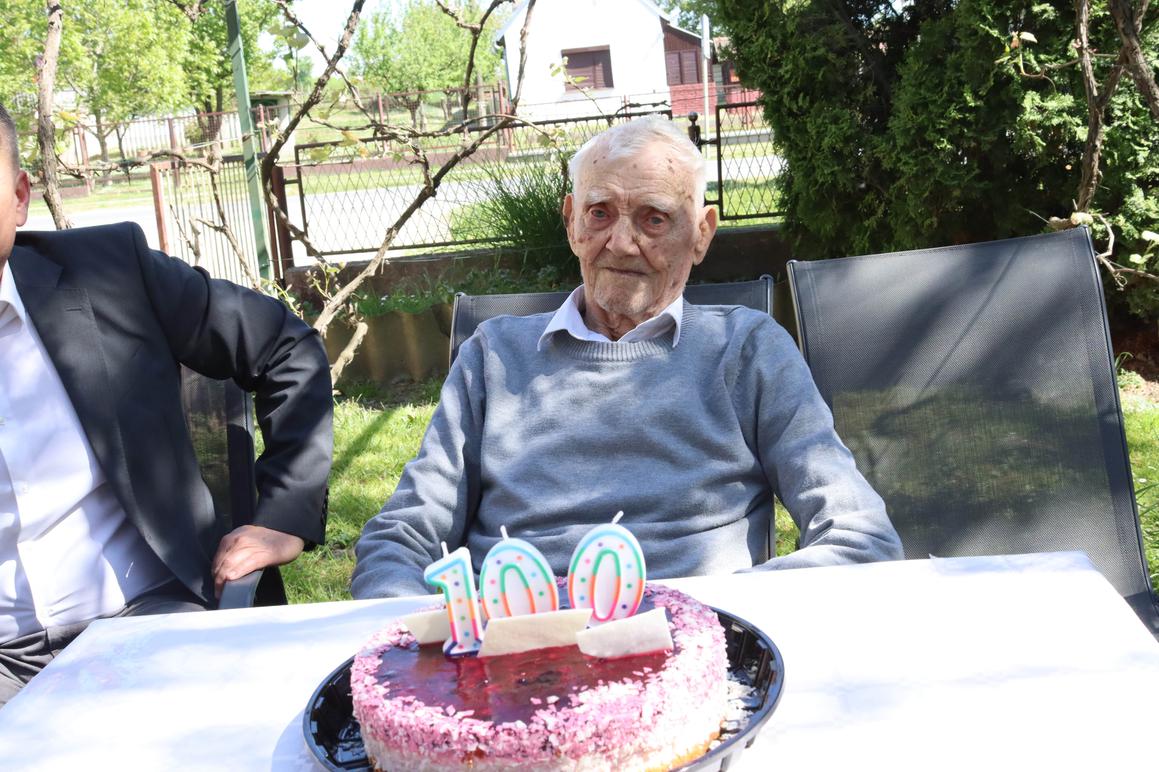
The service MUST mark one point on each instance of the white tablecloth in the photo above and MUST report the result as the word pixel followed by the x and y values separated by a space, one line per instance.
pixel 1029 662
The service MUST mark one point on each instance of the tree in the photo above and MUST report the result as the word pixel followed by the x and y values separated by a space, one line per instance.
pixel 420 49
pixel 686 13
pixel 117 56
pixel 21 42
pixel 946 121
pixel 206 62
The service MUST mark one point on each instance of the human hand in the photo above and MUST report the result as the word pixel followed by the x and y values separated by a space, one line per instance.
pixel 249 548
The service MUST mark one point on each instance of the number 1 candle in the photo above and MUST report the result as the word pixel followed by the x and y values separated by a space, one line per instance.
pixel 453 575
pixel 606 572
pixel 516 579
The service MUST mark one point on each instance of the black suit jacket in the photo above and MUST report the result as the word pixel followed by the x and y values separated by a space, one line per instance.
pixel 118 319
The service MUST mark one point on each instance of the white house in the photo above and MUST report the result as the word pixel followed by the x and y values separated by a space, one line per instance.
pixel 620 50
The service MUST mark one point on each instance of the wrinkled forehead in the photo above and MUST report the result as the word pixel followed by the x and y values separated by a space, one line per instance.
pixel 652 171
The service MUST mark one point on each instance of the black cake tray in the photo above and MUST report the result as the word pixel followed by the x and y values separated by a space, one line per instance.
pixel 333 735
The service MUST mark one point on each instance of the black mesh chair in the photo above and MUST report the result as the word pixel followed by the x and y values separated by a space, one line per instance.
pixel 975 385
pixel 470 310
pixel 220 419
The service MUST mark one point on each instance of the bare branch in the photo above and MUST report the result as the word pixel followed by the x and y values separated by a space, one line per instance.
pixel 335 304
pixel 1117 271
pixel 1129 24
pixel 348 351
pixel 192 10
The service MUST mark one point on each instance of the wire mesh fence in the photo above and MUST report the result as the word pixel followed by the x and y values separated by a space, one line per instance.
pixel 747 165
pixel 204 218
pixel 346 189
pixel 350 192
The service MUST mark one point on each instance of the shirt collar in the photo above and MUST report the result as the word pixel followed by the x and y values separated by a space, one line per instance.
pixel 11 306
pixel 568 318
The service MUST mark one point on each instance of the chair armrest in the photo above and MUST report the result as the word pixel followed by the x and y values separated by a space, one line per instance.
pixel 240 592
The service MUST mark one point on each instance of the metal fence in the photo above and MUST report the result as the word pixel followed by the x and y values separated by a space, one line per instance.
pixel 344 193
pixel 747 165
pixel 187 213
pixel 348 193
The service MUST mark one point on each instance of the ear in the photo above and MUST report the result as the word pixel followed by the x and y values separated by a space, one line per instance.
pixel 567 208
pixel 23 196
pixel 706 230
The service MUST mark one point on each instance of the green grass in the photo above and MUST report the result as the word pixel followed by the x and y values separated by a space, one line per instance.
pixel 376 432
pixel 1143 442
pixel 375 435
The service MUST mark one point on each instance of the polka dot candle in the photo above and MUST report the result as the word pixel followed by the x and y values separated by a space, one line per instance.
pixel 516 579
pixel 606 573
pixel 453 575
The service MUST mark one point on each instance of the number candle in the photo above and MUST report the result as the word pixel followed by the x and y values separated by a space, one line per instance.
pixel 453 575
pixel 606 573
pixel 516 579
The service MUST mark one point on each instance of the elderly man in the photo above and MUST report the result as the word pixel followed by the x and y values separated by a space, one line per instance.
pixel 688 418
pixel 102 508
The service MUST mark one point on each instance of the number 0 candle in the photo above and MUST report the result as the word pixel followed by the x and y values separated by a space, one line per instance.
pixel 516 579
pixel 607 573
pixel 453 575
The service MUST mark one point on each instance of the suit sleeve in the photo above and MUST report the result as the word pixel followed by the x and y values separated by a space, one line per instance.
pixel 841 518
pixel 222 330
pixel 437 495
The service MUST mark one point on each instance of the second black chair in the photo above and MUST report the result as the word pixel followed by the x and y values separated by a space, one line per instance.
pixel 976 387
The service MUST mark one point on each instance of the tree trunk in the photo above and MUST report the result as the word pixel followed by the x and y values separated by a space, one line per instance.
pixel 102 132
pixel 120 132
pixel 45 129
pixel 1128 22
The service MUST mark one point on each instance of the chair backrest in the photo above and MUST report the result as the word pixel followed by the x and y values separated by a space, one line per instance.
pixel 975 385
pixel 219 415
pixel 471 310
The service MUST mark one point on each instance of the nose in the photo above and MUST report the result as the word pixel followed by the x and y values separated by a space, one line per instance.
pixel 622 240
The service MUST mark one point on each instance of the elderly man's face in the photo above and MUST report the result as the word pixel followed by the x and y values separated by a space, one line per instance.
pixel 637 230
pixel 14 195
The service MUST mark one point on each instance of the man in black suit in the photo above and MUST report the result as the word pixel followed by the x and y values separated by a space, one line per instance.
pixel 103 511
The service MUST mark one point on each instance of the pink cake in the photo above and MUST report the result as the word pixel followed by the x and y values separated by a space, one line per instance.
pixel 547 709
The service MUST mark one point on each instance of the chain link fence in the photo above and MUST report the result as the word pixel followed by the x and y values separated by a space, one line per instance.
pixel 346 189
pixel 193 203
pixel 349 192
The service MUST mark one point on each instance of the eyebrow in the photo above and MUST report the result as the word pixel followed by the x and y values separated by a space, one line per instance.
pixel 596 195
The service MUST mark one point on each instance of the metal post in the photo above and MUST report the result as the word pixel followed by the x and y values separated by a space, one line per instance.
pixel 159 206
pixel 706 54
pixel 246 120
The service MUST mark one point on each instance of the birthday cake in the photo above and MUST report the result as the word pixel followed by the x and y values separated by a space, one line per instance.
pixel 547 709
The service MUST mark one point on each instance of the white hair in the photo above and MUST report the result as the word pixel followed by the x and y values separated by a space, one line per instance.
pixel 630 137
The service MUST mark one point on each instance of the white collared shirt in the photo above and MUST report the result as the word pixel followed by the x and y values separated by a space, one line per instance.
pixel 570 319
pixel 68 553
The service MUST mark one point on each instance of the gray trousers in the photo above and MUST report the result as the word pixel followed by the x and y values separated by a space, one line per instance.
pixel 23 657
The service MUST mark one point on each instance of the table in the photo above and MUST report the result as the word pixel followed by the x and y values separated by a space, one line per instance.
pixel 967 663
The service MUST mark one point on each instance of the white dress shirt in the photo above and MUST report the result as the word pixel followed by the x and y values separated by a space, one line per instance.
pixel 570 318
pixel 68 553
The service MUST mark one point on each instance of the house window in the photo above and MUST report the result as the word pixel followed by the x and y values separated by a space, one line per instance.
pixel 682 66
pixel 588 68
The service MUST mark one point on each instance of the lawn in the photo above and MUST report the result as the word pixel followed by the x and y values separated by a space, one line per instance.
pixel 376 433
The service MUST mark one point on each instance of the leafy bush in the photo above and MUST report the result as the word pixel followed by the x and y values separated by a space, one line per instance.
pixel 521 209
pixel 943 121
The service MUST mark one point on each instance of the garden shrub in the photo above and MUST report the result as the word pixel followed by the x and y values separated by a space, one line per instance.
pixel 908 126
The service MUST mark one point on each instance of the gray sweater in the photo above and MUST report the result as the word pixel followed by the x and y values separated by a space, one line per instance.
pixel 691 442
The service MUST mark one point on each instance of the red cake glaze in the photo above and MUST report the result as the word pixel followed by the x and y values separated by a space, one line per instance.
pixel 548 709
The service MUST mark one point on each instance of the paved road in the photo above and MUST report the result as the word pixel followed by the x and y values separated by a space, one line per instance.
pixel 142 215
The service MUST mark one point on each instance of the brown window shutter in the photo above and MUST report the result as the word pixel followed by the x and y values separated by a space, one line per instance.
pixel 672 67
